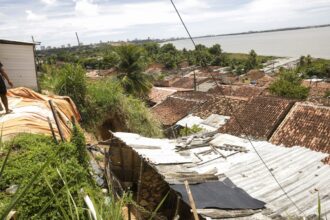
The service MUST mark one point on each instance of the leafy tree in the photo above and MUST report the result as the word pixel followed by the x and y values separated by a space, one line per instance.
pixel 131 66
pixel 215 50
pixel 152 49
pixel 252 61
pixel 202 55
pixel 289 85
pixel 169 60
pixel 169 56
pixel 308 59
pixel 168 48
pixel 302 61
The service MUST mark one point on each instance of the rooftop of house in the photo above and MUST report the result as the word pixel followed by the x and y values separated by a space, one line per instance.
pixel 219 105
pixel 187 82
pixel 199 158
pixel 237 90
pixel 305 125
pixel 172 109
pixel 259 118
pixel 159 94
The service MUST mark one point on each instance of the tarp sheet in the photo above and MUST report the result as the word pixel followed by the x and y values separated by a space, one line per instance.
pixel 219 195
pixel 30 112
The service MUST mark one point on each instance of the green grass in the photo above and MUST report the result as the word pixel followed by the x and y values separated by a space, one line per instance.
pixel 50 179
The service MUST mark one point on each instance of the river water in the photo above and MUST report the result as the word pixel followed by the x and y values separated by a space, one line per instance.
pixel 293 43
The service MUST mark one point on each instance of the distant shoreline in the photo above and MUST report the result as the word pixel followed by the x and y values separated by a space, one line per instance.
pixel 252 32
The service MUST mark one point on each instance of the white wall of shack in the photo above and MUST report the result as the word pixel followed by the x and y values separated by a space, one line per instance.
pixel 19 63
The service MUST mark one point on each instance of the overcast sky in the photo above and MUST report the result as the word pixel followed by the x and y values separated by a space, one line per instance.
pixel 54 22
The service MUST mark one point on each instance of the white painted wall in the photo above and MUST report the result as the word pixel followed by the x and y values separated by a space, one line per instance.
pixel 18 62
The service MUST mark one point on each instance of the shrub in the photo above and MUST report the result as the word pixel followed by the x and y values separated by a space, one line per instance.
pixel 29 154
pixel 289 85
pixel 188 131
pixel 130 112
pixel 71 81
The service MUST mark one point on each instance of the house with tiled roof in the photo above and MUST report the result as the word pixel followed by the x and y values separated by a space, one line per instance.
pixel 221 105
pixel 259 118
pixel 159 94
pixel 177 106
pixel 237 90
pixel 305 125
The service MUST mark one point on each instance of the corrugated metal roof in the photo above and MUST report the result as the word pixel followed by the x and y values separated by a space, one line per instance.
pixel 299 170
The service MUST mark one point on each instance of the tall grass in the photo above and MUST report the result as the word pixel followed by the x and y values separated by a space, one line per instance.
pixel 50 179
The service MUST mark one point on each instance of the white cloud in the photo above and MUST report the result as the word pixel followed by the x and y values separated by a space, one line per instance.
pixel 48 2
pixel 86 8
pixel 31 16
pixel 104 20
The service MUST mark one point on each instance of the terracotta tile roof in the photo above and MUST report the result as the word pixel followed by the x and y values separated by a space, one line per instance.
pixel 159 94
pixel 306 125
pixel 254 74
pixel 219 105
pixel 236 90
pixel 187 82
pixel 326 160
pixel 265 81
pixel 317 89
pixel 317 92
pixel 260 117
pixel 173 109
pixel 192 95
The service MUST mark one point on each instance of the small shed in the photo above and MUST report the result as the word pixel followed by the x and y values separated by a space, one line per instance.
pixel 18 59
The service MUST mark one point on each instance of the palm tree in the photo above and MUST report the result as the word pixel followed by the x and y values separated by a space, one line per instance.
pixel 131 70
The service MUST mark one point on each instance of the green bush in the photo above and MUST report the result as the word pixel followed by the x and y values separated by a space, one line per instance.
pixel 288 85
pixel 128 111
pixel 29 153
pixel 71 81
pixel 188 131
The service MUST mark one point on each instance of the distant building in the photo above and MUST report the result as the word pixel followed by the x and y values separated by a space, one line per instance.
pixel 42 47
pixel 18 59
pixel 62 46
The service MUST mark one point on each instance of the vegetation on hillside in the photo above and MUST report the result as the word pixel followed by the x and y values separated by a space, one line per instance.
pixel 310 67
pixel 100 101
pixel 51 180
pixel 288 85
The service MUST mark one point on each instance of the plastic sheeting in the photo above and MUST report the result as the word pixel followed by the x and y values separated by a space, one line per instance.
pixel 219 195
pixel 30 113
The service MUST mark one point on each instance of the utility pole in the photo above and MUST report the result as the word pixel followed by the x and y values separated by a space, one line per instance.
pixel 195 83
pixel 78 39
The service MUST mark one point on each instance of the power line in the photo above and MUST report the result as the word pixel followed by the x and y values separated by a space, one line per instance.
pixel 237 120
